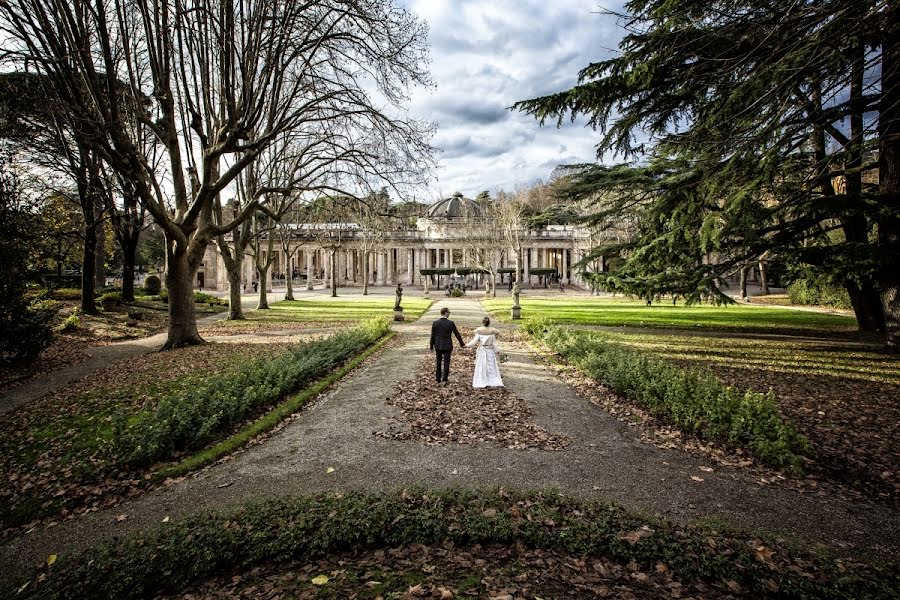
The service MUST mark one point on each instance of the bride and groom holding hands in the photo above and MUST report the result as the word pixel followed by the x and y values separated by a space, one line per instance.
pixel 487 354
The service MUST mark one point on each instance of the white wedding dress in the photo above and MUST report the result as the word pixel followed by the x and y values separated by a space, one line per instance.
pixel 487 367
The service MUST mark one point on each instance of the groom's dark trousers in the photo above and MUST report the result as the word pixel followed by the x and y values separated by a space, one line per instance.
pixel 442 343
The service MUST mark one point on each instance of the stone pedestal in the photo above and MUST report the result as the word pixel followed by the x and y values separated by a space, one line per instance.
pixel 398 314
pixel 516 312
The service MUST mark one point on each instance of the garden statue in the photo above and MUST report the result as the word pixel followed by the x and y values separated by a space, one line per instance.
pixel 398 309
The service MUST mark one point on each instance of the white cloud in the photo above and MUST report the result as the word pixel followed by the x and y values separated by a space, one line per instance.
pixel 485 57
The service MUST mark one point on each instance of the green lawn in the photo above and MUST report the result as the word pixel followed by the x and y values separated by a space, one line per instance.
pixel 798 356
pixel 329 310
pixel 617 312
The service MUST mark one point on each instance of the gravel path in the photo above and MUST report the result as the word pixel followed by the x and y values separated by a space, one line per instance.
pixel 606 459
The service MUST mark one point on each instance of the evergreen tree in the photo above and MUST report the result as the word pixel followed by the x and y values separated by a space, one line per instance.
pixel 24 331
pixel 777 127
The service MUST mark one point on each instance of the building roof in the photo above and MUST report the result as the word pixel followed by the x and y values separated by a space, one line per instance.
pixel 455 207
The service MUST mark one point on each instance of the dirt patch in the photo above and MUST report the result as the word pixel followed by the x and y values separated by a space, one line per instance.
pixel 457 413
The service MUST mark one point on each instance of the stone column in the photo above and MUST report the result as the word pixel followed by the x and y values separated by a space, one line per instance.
pixel 389 279
pixel 379 267
pixel 450 258
pixel 527 259
pixel 410 266
pixel 565 266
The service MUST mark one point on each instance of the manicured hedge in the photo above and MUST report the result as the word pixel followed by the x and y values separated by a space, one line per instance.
pixel 308 528
pixel 190 419
pixel 693 401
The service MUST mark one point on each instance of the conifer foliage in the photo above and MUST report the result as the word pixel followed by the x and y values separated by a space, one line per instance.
pixel 755 128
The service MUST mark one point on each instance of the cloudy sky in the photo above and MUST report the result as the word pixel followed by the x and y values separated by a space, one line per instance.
pixel 485 56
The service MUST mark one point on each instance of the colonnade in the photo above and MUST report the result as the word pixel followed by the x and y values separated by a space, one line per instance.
pixel 403 264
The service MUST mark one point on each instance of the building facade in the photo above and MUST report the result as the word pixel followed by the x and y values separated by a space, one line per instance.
pixel 452 235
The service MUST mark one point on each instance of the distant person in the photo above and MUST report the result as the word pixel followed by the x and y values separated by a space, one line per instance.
pixel 255 286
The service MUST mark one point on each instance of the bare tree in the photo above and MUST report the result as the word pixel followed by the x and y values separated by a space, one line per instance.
pixel 509 213
pixel 483 246
pixel 224 79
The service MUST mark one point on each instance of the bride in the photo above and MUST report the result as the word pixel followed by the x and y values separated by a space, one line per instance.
pixel 487 369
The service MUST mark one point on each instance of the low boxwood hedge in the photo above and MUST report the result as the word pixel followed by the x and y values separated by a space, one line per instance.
pixel 190 419
pixel 693 401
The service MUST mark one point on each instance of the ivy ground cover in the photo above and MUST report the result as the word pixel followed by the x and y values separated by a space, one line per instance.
pixel 450 544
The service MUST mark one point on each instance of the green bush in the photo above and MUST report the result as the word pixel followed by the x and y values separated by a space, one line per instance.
pixel 209 299
pixel 190 419
pixel 693 401
pixel 152 285
pixel 456 293
pixel 72 323
pixel 818 292
pixel 164 295
pixel 24 328
pixel 111 297
pixel 66 294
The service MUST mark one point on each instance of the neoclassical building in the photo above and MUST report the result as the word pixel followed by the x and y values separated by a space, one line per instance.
pixel 449 237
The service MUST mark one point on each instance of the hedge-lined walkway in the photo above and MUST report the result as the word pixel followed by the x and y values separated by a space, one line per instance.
pixel 332 446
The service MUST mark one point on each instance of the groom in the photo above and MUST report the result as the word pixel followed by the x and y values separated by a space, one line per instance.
pixel 442 344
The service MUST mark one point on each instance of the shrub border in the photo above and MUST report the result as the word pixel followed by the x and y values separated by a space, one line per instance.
pixel 791 458
pixel 268 420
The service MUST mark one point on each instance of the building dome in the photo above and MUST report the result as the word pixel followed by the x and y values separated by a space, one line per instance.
pixel 455 207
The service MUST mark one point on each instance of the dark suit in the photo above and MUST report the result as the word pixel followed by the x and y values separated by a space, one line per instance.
pixel 442 344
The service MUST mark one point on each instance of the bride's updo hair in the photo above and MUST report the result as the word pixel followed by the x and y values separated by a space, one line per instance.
pixel 486 321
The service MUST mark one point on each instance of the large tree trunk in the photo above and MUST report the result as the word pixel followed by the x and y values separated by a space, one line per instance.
pixel 864 295
pixel 889 178
pixel 263 303
pixel 180 286
pixel 100 250
pixel 366 274
pixel 289 277
pixel 333 267
pixel 88 264
pixel 763 279
pixel 129 251
pixel 744 270
pixel 235 310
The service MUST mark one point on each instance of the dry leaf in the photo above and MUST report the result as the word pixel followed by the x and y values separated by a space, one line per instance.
pixel 329 470
pixel 51 559
pixel 319 580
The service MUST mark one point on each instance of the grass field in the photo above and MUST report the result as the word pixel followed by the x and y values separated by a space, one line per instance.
pixel 797 356
pixel 329 310
pixel 619 312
